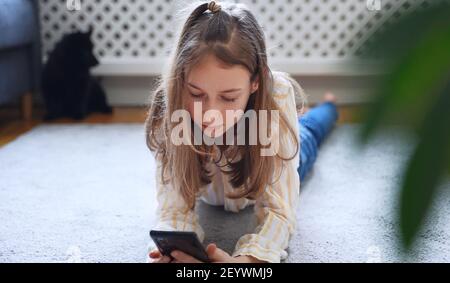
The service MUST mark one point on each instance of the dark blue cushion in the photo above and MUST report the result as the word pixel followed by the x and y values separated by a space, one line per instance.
pixel 15 75
pixel 17 23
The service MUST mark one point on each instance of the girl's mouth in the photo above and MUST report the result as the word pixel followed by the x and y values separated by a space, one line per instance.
pixel 212 130
pixel 211 127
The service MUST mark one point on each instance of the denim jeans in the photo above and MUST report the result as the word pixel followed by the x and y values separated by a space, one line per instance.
pixel 314 127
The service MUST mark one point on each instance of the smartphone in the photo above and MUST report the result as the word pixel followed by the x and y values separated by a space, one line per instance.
pixel 187 242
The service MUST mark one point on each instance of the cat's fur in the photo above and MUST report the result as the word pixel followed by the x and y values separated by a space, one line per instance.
pixel 68 88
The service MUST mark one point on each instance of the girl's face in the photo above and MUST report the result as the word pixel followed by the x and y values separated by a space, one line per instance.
pixel 211 89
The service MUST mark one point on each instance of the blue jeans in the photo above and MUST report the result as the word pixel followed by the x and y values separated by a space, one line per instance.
pixel 314 127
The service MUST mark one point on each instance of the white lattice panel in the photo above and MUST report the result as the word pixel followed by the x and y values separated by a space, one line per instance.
pixel 303 36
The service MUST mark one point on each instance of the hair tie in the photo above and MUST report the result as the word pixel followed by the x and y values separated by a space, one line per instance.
pixel 214 7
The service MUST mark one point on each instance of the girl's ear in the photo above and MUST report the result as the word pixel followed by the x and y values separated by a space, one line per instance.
pixel 90 30
pixel 254 85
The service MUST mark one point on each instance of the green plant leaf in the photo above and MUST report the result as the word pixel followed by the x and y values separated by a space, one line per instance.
pixel 416 92
pixel 426 168
pixel 401 94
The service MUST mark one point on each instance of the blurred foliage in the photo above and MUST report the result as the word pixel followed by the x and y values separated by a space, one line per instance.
pixel 414 91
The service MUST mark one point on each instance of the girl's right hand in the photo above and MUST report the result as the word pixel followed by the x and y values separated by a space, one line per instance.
pixel 156 257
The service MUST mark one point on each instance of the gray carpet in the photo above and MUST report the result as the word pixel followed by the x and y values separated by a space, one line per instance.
pixel 85 193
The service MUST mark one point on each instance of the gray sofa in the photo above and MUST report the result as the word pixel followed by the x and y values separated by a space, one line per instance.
pixel 20 52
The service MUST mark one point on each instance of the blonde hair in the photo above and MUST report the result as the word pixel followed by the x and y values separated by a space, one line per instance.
pixel 233 35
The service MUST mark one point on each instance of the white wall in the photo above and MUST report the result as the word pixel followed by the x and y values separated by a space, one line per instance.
pixel 313 40
pixel 302 36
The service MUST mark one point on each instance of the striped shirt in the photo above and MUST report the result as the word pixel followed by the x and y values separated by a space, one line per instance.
pixel 275 208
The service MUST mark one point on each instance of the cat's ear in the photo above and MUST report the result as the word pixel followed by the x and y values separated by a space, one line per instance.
pixel 90 30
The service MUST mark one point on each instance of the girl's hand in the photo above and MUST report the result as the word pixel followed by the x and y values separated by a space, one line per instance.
pixel 157 257
pixel 215 254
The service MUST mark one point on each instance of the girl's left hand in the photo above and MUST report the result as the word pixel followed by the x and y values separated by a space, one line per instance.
pixel 215 254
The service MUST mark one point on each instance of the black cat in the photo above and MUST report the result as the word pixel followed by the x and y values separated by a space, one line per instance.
pixel 68 88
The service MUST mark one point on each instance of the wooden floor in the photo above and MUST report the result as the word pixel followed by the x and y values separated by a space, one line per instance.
pixel 12 126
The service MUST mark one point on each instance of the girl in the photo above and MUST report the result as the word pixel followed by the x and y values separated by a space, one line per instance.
pixel 220 63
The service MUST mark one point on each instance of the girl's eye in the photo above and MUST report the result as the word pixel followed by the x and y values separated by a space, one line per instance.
pixel 196 95
pixel 229 99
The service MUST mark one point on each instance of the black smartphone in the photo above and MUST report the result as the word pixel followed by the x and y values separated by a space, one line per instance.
pixel 187 242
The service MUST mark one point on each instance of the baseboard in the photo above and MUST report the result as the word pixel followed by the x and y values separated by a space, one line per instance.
pixel 136 90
